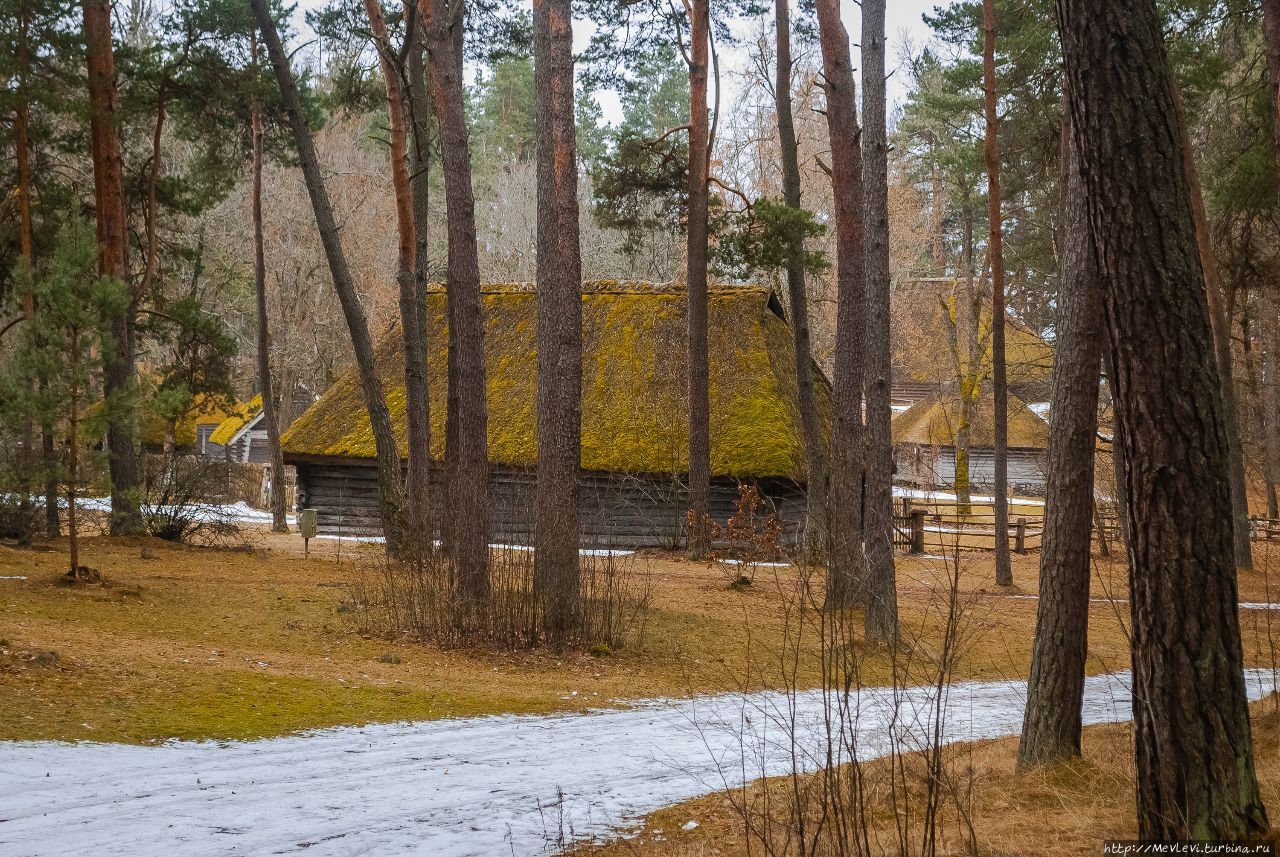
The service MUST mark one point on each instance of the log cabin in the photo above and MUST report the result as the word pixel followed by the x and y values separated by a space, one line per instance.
pixel 634 415
pixel 924 444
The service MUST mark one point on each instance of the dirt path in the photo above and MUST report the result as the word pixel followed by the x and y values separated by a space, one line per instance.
pixel 483 786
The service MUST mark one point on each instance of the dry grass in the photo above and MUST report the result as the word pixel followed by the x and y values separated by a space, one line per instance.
pixel 1067 809
pixel 209 643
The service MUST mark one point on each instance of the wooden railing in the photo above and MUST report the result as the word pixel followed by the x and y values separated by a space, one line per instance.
pixel 921 531
pixel 1264 529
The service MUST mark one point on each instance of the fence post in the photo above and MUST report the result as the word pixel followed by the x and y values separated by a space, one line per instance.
pixel 917 531
pixel 1020 540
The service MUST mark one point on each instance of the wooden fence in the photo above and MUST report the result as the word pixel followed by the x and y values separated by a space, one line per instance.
pixel 921 530
pixel 1264 529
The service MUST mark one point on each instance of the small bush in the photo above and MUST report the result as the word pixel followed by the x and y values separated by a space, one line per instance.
pixel 176 503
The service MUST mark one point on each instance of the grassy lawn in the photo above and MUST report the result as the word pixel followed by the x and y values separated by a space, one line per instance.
pixel 208 643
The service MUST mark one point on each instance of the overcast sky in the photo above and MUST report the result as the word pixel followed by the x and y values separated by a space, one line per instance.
pixel 903 24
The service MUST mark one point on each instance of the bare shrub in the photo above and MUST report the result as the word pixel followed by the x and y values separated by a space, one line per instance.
pixel 176 505
pixel 419 600
pixel 750 538
pixel 832 800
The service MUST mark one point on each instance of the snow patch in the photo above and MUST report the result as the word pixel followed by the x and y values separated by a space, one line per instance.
pixel 459 788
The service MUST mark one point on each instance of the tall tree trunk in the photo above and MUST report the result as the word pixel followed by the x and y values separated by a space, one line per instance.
pixel 1271 327
pixel 150 219
pixel 73 458
pixel 49 455
pixel 968 376
pixel 815 442
pixel 279 518
pixel 881 616
pixel 22 143
pixel 995 253
pixel 413 317
pixel 696 280
pixel 1055 691
pixel 1271 405
pixel 847 561
pixel 1118 467
pixel 559 274
pixel 937 211
pixel 108 192
pixel 417 391
pixel 1221 325
pixel 375 401
pixel 467 462
pixel 1195 770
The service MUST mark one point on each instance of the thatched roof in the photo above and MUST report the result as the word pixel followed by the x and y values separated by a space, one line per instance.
pixel 634 398
pixel 238 418
pixel 921 349
pixel 933 421
pixel 205 409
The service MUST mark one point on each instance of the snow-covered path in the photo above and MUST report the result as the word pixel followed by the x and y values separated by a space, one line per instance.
pixel 484 786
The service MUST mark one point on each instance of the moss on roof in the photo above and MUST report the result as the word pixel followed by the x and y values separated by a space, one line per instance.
pixel 634 414
pixel 210 409
pixel 921 353
pixel 932 422
pixel 240 414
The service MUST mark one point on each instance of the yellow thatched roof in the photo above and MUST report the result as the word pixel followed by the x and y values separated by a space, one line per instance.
pixel 208 409
pixel 634 412
pixel 240 414
pixel 205 408
pixel 933 422
pixel 921 340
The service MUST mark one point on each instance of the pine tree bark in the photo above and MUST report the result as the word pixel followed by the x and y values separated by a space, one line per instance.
pixel 417 391
pixel 1271 406
pixel 375 401
pixel 413 318
pixel 881 618
pixel 1194 749
pixel 559 270
pixel 995 253
pixel 108 193
pixel 696 280
pixel 466 456
pixel 1055 690
pixel 1271 329
pixel 1221 326
pixel 815 441
pixel 846 559
pixel 270 417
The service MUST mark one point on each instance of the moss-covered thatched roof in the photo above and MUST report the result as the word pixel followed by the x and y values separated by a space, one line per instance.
pixel 921 341
pixel 240 415
pixel 634 397
pixel 933 422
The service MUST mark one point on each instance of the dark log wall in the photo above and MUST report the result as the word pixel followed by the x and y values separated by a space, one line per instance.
pixel 617 510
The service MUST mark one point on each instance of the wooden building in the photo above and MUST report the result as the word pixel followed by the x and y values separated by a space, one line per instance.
pixel 634 415
pixel 924 444
pixel 241 437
